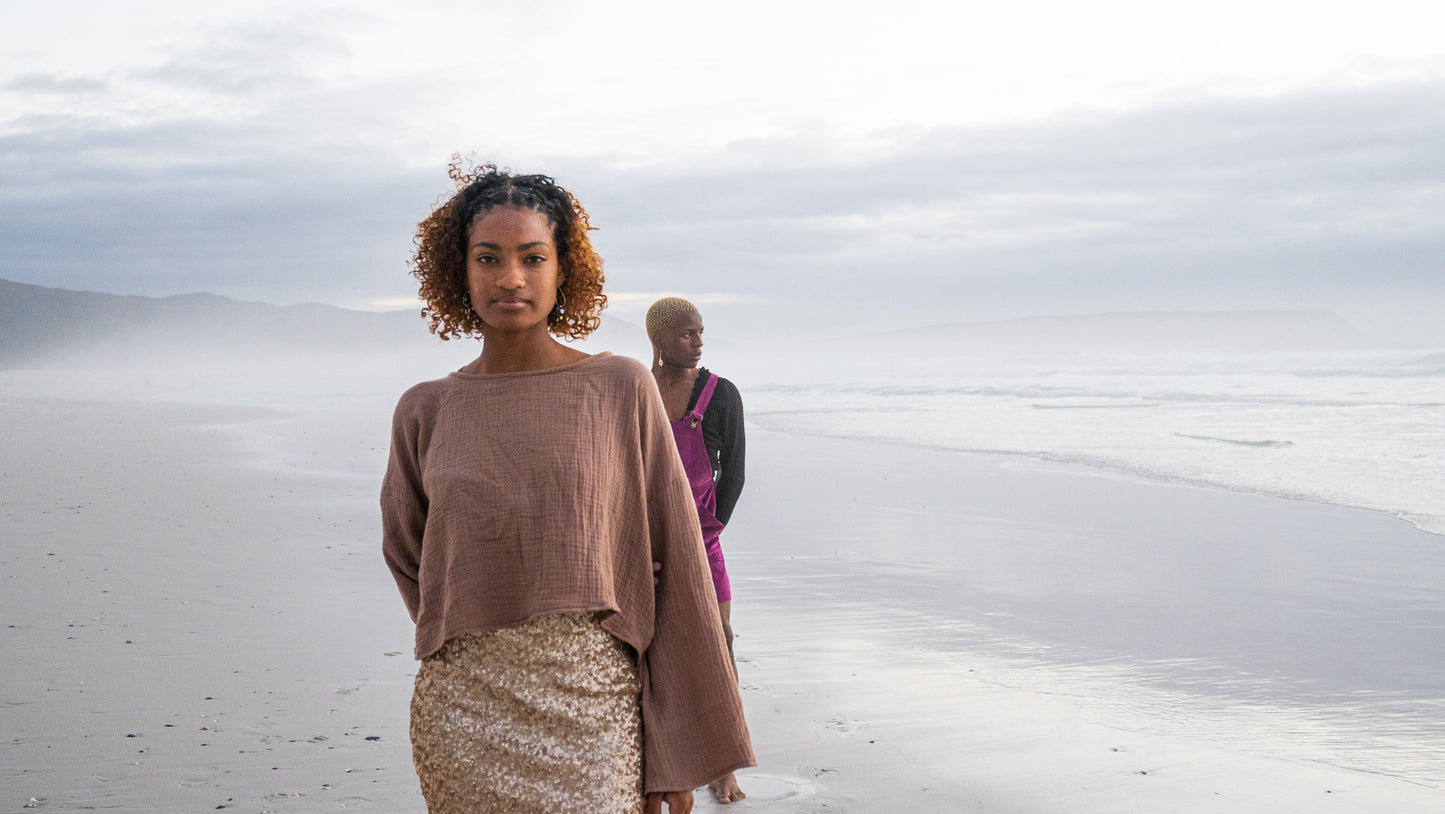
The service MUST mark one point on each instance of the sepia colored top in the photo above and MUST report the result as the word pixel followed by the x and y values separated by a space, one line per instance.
pixel 510 496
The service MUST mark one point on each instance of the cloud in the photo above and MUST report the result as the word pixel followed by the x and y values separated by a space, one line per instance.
pixel 1307 200
pixel 280 56
pixel 53 83
pixel 1269 197
pixel 227 165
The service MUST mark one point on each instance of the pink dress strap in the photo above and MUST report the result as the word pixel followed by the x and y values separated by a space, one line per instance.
pixel 703 400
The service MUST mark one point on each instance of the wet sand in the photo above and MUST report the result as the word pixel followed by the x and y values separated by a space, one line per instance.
pixel 196 617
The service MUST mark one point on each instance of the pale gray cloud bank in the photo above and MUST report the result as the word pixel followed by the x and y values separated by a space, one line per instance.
pixel 257 182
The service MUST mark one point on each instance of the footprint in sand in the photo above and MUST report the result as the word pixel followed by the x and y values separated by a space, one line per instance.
pixel 196 782
pixel 765 787
pixel 846 727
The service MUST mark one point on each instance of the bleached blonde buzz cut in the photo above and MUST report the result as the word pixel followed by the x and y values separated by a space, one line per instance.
pixel 664 311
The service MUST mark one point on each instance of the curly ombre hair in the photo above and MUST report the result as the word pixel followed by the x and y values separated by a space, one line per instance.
pixel 440 262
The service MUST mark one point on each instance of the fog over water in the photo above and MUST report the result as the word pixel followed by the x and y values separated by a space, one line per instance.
pixel 1297 404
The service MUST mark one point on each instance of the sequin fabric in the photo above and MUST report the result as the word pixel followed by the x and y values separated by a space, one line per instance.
pixel 543 717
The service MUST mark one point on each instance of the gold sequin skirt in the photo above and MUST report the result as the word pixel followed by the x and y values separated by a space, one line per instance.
pixel 543 717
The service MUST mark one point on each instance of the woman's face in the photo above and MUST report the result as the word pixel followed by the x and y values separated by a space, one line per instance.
pixel 679 343
pixel 512 269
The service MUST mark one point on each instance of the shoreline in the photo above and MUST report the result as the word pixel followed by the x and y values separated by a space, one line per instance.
pixel 1099 467
pixel 182 386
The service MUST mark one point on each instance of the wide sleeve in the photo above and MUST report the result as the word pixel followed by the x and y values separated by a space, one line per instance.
pixel 732 449
pixel 692 715
pixel 404 507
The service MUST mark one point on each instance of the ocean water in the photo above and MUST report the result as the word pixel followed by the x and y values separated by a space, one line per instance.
pixel 1361 429
pixel 1311 646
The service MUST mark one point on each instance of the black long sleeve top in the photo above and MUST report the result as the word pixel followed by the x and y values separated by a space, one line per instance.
pixel 722 434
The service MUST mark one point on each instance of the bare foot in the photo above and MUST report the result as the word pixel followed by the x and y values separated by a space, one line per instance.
pixel 726 790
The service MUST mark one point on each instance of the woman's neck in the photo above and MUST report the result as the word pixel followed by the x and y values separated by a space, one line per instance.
pixel 505 353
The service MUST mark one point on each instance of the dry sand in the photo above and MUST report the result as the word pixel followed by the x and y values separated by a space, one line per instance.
pixel 196 617
pixel 188 627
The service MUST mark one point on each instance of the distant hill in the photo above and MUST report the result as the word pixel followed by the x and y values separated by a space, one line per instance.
pixel 58 328
pixel 53 327
pixel 1131 333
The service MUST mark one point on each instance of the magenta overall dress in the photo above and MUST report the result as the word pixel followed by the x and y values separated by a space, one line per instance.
pixel 687 431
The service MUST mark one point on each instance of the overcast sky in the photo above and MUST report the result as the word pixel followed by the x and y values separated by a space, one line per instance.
pixel 797 164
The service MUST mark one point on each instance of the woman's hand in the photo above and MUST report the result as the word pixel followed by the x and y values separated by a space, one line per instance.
pixel 678 802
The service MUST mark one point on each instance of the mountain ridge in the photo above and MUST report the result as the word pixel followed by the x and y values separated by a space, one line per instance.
pixel 63 328
pixel 57 327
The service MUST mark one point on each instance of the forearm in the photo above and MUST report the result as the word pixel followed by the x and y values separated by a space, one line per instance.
pixel 729 489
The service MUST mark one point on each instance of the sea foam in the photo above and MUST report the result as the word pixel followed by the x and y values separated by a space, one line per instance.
pixel 1359 429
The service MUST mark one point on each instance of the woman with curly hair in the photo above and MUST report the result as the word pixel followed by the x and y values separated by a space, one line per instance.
pixel 529 499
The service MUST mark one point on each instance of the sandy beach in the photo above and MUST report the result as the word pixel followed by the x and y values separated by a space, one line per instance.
pixel 196 617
